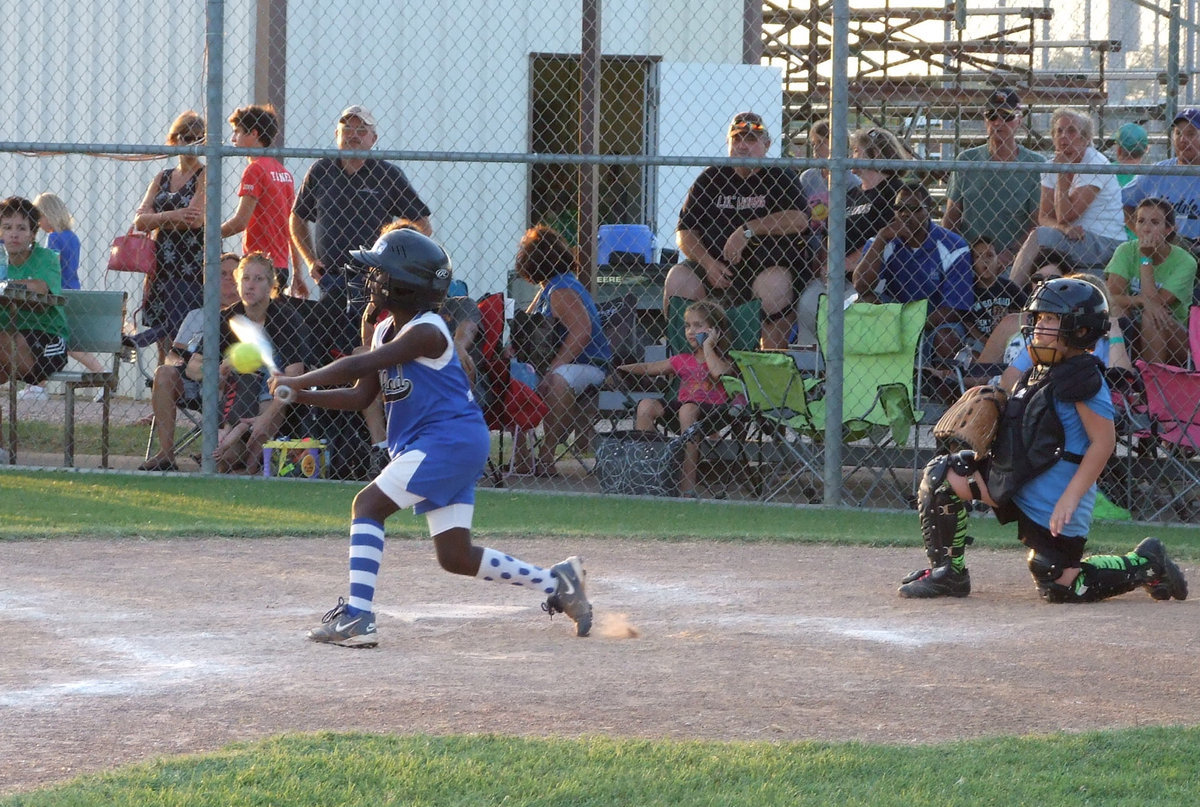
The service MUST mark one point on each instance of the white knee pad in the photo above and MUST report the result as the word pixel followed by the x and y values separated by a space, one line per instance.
pixel 449 517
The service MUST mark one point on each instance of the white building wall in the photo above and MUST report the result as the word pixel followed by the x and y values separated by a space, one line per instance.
pixel 451 76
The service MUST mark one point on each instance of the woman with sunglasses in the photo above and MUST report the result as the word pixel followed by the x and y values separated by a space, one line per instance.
pixel 173 209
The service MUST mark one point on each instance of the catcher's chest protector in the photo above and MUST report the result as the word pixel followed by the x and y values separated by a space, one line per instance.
pixel 1030 438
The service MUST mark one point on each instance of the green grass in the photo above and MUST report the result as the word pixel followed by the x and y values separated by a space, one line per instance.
pixel 1146 767
pixel 1142 768
pixel 123 439
pixel 40 504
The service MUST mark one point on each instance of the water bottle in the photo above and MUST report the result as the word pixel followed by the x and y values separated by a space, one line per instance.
pixel 3 263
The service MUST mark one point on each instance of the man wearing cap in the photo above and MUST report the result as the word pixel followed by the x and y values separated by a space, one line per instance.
pixel 999 206
pixel 742 232
pixel 1181 191
pixel 1130 146
pixel 350 200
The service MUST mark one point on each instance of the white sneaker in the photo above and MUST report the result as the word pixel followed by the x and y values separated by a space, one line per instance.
pixel 99 396
pixel 33 392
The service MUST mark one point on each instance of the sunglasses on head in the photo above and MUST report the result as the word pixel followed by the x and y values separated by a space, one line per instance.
pixel 747 126
pixel 1007 117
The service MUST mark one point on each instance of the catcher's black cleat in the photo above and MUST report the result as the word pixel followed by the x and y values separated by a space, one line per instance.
pixel 940 582
pixel 1166 580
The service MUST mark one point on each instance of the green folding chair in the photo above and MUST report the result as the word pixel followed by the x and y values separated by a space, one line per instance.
pixel 878 414
pixel 788 416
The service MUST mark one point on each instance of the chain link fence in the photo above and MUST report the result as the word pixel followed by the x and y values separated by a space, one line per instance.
pixel 616 125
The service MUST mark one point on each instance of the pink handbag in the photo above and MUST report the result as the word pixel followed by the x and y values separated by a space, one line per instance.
pixel 133 252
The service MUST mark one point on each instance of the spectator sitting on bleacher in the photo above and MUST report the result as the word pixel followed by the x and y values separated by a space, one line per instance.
pixel 869 206
pixel 1080 213
pixel 240 448
pixel 742 232
pixel 1150 282
pixel 38 345
pixel 581 359
pixel 1181 191
pixel 911 258
pixel 1001 206
pixel 172 386
pixel 701 394
pixel 995 297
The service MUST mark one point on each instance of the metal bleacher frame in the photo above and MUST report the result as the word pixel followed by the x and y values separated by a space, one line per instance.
pixel 903 80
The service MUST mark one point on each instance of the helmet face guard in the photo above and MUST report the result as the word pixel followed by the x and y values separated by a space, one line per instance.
pixel 1082 310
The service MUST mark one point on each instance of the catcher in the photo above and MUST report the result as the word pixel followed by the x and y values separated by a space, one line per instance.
pixel 1053 440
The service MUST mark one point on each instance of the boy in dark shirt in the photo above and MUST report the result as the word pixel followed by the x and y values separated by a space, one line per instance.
pixel 995 296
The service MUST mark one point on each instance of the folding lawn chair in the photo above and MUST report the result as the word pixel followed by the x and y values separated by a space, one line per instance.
pixel 788 418
pixel 510 405
pixel 1172 480
pixel 878 413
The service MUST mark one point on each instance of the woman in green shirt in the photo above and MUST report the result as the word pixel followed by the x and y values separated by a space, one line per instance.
pixel 1150 282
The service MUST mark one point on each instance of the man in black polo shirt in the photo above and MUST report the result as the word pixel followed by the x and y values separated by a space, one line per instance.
pixel 349 201
pixel 742 231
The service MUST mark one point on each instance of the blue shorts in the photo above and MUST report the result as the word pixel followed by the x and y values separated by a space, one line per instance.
pixel 436 471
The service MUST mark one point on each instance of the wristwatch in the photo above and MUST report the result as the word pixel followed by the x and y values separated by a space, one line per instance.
pixel 746 231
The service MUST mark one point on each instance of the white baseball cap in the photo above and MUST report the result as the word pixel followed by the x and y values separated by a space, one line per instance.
pixel 357 111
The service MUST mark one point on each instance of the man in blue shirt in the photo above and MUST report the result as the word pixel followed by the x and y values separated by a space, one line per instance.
pixel 912 258
pixel 1181 191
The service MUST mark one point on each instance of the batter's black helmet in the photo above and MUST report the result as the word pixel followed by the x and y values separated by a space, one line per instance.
pixel 1082 308
pixel 408 269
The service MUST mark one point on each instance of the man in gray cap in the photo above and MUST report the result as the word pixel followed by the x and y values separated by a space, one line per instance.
pixel 999 206
pixel 349 200
pixel 1181 191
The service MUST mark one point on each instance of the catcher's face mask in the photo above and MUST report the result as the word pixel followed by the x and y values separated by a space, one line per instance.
pixel 1043 334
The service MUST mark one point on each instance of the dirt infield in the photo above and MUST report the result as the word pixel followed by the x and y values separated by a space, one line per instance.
pixel 123 651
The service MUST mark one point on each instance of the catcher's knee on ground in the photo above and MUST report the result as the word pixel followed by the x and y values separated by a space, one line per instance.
pixel 942 513
pixel 1046 569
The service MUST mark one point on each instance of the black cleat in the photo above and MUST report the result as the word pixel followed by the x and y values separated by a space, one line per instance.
pixel 570 597
pixel 1166 580
pixel 940 582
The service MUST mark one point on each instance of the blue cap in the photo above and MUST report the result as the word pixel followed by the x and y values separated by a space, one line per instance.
pixel 1190 115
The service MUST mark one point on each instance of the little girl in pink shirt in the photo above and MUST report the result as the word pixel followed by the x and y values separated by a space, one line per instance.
pixel 701 394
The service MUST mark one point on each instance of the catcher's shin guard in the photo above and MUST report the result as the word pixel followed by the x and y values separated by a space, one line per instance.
pixel 1100 577
pixel 942 513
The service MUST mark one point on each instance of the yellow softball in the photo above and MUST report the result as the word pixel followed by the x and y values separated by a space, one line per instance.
pixel 244 357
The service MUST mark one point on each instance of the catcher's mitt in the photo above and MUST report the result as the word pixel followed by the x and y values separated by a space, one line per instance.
pixel 973 420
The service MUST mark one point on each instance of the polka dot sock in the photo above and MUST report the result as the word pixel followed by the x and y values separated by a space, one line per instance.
pixel 501 568
pixel 366 553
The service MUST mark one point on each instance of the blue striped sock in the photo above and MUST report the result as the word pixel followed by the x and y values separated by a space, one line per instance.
pixel 366 552
pixel 503 568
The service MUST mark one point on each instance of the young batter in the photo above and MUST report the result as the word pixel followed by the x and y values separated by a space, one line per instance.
pixel 436 437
